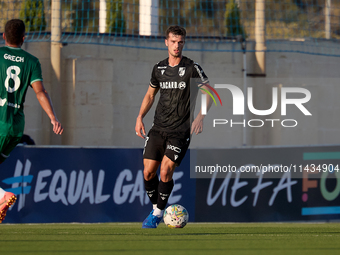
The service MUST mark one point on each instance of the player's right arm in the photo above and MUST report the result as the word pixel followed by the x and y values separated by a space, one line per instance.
pixel 46 104
pixel 148 100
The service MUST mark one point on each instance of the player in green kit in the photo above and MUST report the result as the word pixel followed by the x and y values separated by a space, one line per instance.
pixel 18 71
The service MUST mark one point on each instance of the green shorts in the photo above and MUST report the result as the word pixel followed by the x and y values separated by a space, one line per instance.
pixel 7 144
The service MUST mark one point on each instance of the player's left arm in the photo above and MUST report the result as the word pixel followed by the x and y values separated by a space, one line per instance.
pixel 46 104
pixel 197 124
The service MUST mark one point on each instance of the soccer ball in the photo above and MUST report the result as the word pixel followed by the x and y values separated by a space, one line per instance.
pixel 176 216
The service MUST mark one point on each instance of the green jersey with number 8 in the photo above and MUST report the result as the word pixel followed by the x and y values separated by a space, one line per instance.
pixel 18 70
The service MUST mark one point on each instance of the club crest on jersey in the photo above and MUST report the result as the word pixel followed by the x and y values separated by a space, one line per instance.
pixel 181 71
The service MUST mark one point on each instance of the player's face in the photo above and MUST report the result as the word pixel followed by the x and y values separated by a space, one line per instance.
pixel 175 44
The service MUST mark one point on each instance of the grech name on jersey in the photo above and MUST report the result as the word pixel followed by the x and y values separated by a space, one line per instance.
pixel 14 58
pixel 172 85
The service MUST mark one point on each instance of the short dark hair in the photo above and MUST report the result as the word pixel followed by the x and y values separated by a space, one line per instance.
pixel 15 31
pixel 176 30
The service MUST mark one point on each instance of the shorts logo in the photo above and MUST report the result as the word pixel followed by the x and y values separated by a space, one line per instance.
pixel 146 141
pixel 174 148
pixel 176 157
pixel 182 85
pixel 181 71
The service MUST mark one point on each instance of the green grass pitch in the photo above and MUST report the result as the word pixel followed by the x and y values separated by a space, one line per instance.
pixel 195 238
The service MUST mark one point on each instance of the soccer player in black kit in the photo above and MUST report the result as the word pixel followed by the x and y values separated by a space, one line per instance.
pixel 169 137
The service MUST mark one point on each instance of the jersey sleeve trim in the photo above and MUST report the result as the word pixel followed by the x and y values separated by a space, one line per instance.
pixel 35 81
pixel 153 86
pixel 203 83
pixel 5 156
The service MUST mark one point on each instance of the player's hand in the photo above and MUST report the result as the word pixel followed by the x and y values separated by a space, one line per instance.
pixel 197 125
pixel 140 130
pixel 57 127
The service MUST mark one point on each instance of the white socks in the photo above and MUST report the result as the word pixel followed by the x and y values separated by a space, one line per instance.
pixel 157 212
pixel 2 193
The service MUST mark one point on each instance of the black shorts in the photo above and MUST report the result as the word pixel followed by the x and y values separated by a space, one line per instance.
pixel 159 144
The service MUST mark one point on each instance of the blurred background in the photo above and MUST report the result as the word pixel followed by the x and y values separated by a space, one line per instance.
pixel 97 58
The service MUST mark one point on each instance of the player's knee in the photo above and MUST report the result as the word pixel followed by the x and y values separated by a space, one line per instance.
pixel 150 169
pixel 148 175
pixel 167 173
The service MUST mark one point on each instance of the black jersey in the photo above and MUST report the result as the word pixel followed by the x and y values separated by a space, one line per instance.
pixel 178 84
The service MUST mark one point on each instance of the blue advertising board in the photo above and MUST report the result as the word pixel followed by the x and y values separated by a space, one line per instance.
pixel 83 185
pixel 67 184
pixel 267 184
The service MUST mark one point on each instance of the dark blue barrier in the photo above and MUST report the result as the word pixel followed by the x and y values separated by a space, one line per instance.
pixel 106 185
pixel 294 184
pixel 84 185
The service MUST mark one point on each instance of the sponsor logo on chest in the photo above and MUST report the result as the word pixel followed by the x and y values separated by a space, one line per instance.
pixel 172 85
